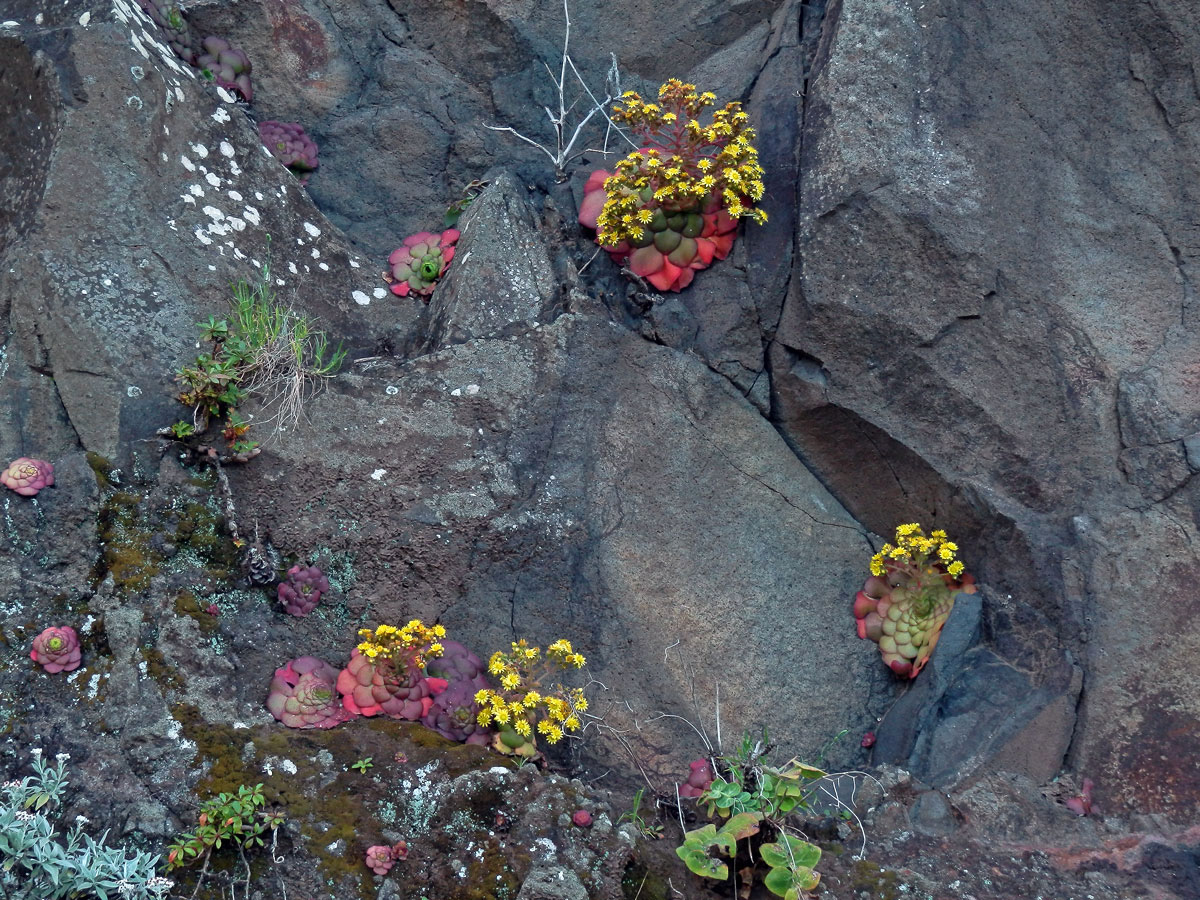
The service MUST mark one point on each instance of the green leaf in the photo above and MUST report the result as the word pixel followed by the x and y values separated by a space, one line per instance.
pixel 741 826
pixel 700 863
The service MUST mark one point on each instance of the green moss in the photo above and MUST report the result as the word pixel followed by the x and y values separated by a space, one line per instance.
pixel 881 884
pixel 160 670
pixel 640 883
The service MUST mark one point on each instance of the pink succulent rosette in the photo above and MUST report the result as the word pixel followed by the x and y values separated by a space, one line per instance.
pixel 27 476
pixel 906 622
pixel 301 591
pixel 379 859
pixel 373 686
pixel 417 264
pixel 291 145
pixel 57 649
pixel 677 243
pixel 700 776
pixel 226 65
pixel 303 695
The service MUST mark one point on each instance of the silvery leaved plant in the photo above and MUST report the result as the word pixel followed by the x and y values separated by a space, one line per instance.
pixel 39 863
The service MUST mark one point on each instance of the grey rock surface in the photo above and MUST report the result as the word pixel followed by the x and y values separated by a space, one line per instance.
pixel 973 306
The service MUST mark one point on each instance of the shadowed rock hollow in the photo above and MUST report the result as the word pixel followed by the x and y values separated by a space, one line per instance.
pixel 973 306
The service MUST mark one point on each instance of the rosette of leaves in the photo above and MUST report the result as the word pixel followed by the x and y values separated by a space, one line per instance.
pixel 169 18
pixel 27 476
pixel 909 595
pixel 386 672
pixel 291 145
pixel 57 650
pixel 672 207
pixel 454 714
pixel 221 62
pixel 301 591
pixel 418 263
pixel 303 694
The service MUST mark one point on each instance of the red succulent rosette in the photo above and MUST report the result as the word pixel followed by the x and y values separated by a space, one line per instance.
pixel 417 264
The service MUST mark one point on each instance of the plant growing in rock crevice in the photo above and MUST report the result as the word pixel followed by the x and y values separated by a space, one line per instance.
pixel 908 597
pixel 263 351
pixel 26 476
pixel 672 206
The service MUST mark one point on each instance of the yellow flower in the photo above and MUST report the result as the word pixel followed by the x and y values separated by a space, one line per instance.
pixel 481 697
pixel 521 727
pixel 500 713
pixel 577 660
pixel 644 216
pixel 496 663
pixel 510 680
pixel 955 569
pixel 484 718
pixel 570 723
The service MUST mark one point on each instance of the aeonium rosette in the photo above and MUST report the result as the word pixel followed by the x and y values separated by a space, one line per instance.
pixel 386 672
pixel 27 476
pixel 526 704
pixel 906 601
pixel 672 206
pixel 303 695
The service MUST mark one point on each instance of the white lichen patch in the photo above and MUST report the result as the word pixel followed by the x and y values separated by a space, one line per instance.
pixel 221 115
pixel 85 18
pixel 214 179
pixel 354 264
pixel 378 474
pixel 200 150
pixel 226 95
pixel 312 229
pixel 324 267
pixel 187 163
pixel 380 293
pixel 196 190
pixel 213 213
pixel 250 214
pixel 235 195
pixel 202 237
pixel 226 149
pixel 360 298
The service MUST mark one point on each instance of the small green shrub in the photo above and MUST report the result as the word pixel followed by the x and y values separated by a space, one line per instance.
pixel 238 819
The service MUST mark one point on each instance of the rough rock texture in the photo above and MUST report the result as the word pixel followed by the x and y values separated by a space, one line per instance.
pixel 973 306
pixel 995 310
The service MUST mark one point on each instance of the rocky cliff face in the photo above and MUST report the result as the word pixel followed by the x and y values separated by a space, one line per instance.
pixel 972 306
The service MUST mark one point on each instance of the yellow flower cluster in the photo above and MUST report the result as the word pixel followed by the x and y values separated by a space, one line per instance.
pixel 521 699
pixel 913 548
pixel 416 642
pixel 685 165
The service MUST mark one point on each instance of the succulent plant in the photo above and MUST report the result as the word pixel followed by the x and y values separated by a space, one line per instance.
pixel 167 16
pixel 301 591
pixel 581 818
pixel 699 778
pixel 457 663
pixel 507 741
pixel 455 714
pixel 675 243
pixel 418 263
pixel 908 597
pixel 303 695
pixel 289 144
pixel 57 649
pixel 373 686
pixel 27 476
pixel 379 859
pixel 225 64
